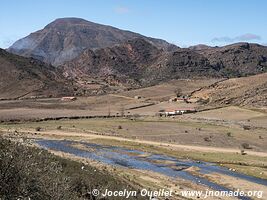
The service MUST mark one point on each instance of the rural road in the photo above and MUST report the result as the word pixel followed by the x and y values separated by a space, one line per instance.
pixel 93 135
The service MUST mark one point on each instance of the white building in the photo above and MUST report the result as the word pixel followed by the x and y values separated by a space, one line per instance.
pixel 179 111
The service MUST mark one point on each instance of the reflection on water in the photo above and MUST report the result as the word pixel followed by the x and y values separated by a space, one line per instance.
pixel 135 159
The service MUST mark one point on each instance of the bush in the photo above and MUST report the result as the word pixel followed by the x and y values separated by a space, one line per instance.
pixel 246 127
pixel 32 173
pixel 245 146
pixel 207 139
pixel 136 116
pixel 203 101
pixel 178 92
pixel 59 127
pixel 38 128
pixel 229 134
pixel 119 127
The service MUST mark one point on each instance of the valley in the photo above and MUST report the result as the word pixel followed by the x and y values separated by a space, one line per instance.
pixel 120 121
pixel 84 101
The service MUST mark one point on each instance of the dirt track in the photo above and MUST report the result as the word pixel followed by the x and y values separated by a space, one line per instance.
pixel 94 135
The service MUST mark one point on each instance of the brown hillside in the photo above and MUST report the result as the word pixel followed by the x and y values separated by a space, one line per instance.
pixel 240 59
pixel 245 91
pixel 25 77
pixel 138 63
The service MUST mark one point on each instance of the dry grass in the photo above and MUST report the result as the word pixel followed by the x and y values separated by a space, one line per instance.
pixel 174 131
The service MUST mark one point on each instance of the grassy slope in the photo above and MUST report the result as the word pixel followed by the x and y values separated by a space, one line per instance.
pixel 29 172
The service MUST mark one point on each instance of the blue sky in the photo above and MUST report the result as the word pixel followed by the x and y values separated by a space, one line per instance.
pixel 182 22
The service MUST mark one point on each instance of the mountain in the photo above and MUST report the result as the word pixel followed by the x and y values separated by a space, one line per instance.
pixel 245 91
pixel 65 38
pixel 200 47
pixel 236 60
pixel 138 63
pixel 25 77
pixel 100 58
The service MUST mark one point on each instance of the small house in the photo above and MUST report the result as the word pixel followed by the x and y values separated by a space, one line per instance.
pixel 179 111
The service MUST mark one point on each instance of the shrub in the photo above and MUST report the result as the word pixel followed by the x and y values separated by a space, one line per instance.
pixel 38 128
pixel 207 139
pixel 119 127
pixel 26 173
pixel 245 146
pixel 229 134
pixel 246 127
pixel 31 173
pixel 178 92
pixel 136 115
pixel 203 101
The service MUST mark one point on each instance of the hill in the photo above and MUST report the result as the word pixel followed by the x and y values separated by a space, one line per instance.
pixel 138 63
pixel 25 77
pixel 103 59
pixel 245 91
pixel 236 60
pixel 65 38
pixel 200 47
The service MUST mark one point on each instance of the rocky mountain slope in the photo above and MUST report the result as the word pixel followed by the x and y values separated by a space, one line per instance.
pixel 101 59
pixel 235 60
pixel 25 77
pixel 245 91
pixel 140 63
pixel 65 38
pixel 200 47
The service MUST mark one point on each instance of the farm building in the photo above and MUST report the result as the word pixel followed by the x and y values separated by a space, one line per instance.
pixel 179 111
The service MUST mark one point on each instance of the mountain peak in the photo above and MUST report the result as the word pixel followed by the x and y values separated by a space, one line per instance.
pixel 67 21
pixel 65 38
pixel 70 19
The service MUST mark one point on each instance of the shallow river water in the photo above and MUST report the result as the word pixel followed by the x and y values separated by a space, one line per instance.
pixel 135 159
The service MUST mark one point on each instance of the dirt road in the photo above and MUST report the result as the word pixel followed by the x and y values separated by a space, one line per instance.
pixel 95 135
